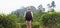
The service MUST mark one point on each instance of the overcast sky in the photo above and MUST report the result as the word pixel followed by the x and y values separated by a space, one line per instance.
pixel 7 6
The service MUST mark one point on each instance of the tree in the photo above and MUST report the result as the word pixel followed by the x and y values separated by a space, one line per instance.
pixel 49 7
pixel 53 4
pixel 40 7
pixel 43 10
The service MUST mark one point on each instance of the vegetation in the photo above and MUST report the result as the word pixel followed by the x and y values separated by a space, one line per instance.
pixel 41 19
pixel 50 20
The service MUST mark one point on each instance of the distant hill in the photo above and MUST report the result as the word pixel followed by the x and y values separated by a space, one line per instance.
pixel 23 9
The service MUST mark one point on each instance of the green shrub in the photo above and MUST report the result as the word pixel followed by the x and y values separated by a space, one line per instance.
pixel 23 25
pixel 8 21
pixel 50 19
pixel 34 25
pixel 18 25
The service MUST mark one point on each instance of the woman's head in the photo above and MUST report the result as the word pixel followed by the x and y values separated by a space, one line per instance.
pixel 28 8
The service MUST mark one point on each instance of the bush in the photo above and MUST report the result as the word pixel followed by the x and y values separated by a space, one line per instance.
pixel 51 19
pixel 23 25
pixel 34 25
pixel 8 21
pixel 18 25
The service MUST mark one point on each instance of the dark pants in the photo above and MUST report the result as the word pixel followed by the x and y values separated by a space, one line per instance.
pixel 28 22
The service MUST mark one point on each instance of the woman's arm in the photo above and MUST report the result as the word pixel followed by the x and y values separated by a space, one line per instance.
pixel 24 14
pixel 32 14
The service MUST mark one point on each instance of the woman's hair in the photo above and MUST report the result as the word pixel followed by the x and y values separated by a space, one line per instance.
pixel 28 8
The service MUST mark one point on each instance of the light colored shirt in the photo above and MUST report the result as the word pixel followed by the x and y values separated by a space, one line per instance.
pixel 25 14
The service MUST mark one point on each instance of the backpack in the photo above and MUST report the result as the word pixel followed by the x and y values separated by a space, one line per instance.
pixel 28 14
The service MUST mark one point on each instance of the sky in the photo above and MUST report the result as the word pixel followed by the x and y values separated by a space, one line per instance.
pixel 7 6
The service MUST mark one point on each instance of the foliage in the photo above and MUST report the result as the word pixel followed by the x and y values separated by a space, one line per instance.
pixel 50 19
pixel 8 21
pixel 53 4
pixel 40 19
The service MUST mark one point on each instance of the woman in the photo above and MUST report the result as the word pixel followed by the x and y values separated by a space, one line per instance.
pixel 28 17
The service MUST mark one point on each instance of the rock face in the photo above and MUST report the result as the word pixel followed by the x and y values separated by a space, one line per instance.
pixel 23 9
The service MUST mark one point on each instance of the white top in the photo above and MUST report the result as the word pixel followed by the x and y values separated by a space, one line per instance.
pixel 25 14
